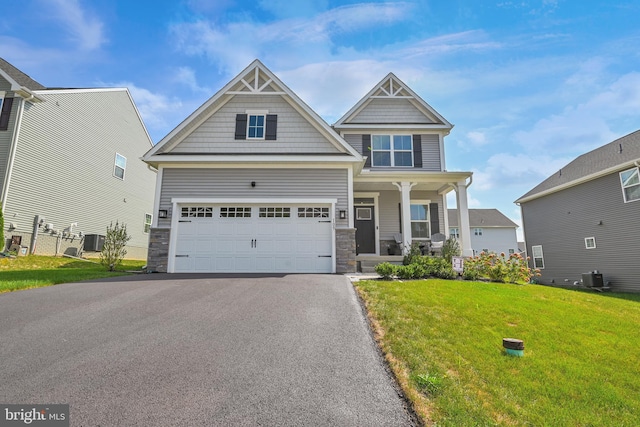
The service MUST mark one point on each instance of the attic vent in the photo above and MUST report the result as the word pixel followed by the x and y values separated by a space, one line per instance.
pixel 560 172
pixel 620 145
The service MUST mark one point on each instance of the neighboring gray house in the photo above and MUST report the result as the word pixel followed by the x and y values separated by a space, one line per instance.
pixel 69 166
pixel 255 181
pixel 585 218
pixel 490 229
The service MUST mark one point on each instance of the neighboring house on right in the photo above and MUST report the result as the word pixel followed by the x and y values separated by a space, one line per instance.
pixel 491 231
pixel 585 218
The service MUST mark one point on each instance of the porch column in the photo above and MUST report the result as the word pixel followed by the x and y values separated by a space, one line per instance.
pixel 463 218
pixel 405 198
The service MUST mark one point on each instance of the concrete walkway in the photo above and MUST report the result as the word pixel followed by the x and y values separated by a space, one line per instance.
pixel 187 350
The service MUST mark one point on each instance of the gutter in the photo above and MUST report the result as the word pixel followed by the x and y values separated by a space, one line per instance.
pixel 12 155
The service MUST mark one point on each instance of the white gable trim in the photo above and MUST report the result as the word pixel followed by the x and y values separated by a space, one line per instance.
pixel 420 103
pixel 196 118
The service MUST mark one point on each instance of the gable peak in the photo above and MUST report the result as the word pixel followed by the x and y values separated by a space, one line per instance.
pixel 391 86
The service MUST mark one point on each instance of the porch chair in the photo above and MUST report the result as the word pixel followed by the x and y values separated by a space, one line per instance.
pixel 398 238
pixel 437 242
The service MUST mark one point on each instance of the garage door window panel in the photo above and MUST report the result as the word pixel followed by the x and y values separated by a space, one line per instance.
pixel 196 212
pixel 274 212
pixel 312 212
pixel 235 212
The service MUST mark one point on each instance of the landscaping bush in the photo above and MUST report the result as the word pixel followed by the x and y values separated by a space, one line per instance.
pixel 113 251
pixel 411 271
pixel 498 268
pixel 450 248
pixel 386 270
pixel 413 254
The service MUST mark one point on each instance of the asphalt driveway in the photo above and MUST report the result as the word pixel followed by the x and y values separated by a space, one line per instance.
pixel 197 350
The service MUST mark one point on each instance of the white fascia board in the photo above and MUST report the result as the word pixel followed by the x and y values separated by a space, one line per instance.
pixel 579 181
pixel 391 126
pixel 422 176
pixel 80 90
pixel 254 201
pixel 248 161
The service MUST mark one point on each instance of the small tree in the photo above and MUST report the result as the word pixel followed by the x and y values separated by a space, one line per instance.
pixel 450 248
pixel 113 251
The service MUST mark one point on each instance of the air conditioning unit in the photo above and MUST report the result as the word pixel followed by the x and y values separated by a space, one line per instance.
pixel 592 280
pixel 93 242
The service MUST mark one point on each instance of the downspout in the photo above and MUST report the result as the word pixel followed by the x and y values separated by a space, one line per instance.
pixel 12 156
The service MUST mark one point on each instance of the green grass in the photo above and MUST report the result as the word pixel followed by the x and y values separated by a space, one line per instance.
pixel 443 339
pixel 35 271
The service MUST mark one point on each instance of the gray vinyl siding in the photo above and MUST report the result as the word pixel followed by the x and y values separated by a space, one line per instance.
pixel 389 202
pixel 561 221
pixel 392 111
pixel 207 183
pixel 64 165
pixel 430 149
pixel 6 136
pixel 295 133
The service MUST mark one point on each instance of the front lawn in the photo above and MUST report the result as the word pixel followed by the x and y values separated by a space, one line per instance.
pixel 35 271
pixel 443 339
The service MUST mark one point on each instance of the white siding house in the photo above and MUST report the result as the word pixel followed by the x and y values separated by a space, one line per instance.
pixel 490 230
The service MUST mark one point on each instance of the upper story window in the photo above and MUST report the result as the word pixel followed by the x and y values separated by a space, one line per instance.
pixel 392 150
pixel 256 125
pixel 5 111
pixel 630 180
pixel 120 166
pixel 255 130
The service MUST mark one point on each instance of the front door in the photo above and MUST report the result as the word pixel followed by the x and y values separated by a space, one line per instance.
pixel 365 230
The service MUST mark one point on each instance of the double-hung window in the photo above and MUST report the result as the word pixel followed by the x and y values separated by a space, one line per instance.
pixel 391 150
pixel 420 220
pixel 120 166
pixel 538 257
pixel 630 181
pixel 148 219
pixel 255 129
pixel 454 232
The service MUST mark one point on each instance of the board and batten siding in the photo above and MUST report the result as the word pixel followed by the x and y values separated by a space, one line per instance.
pixel 391 111
pixel 294 132
pixel 6 136
pixel 212 183
pixel 561 221
pixel 64 165
pixel 389 209
pixel 430 149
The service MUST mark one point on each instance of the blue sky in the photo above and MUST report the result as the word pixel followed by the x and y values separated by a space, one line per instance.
pixel 528 84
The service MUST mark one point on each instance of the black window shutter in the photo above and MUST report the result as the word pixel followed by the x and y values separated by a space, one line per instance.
pixel 417 151
pixel 272 127
pixel 400 215
pixel 241 126
pixel 434 217
pixel 366 150
pixel 7 103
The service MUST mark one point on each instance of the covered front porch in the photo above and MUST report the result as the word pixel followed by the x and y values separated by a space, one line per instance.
pixel 394 209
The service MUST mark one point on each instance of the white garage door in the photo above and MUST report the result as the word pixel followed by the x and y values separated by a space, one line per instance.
pixel 247 239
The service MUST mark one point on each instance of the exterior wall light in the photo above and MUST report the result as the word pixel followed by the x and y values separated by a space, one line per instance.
pixel 343 214
pixel 162 213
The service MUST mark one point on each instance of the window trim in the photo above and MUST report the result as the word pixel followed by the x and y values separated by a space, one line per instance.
pixel 257 113
pixel 624 193
pixel 587 240
pixel 534 257
pixel 427 220
pixel 147 225
pixel 392 151
pixel 116 166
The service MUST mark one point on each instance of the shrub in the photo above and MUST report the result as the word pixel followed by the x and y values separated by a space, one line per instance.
pixel 413 254
pixel 450 248
pixel 411 271
pixel 113 251
pixel 386 270
pixel 498 268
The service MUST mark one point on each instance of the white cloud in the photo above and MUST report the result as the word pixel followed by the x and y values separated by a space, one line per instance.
pixel 187 76
pixel 477 138
pixel 84 28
